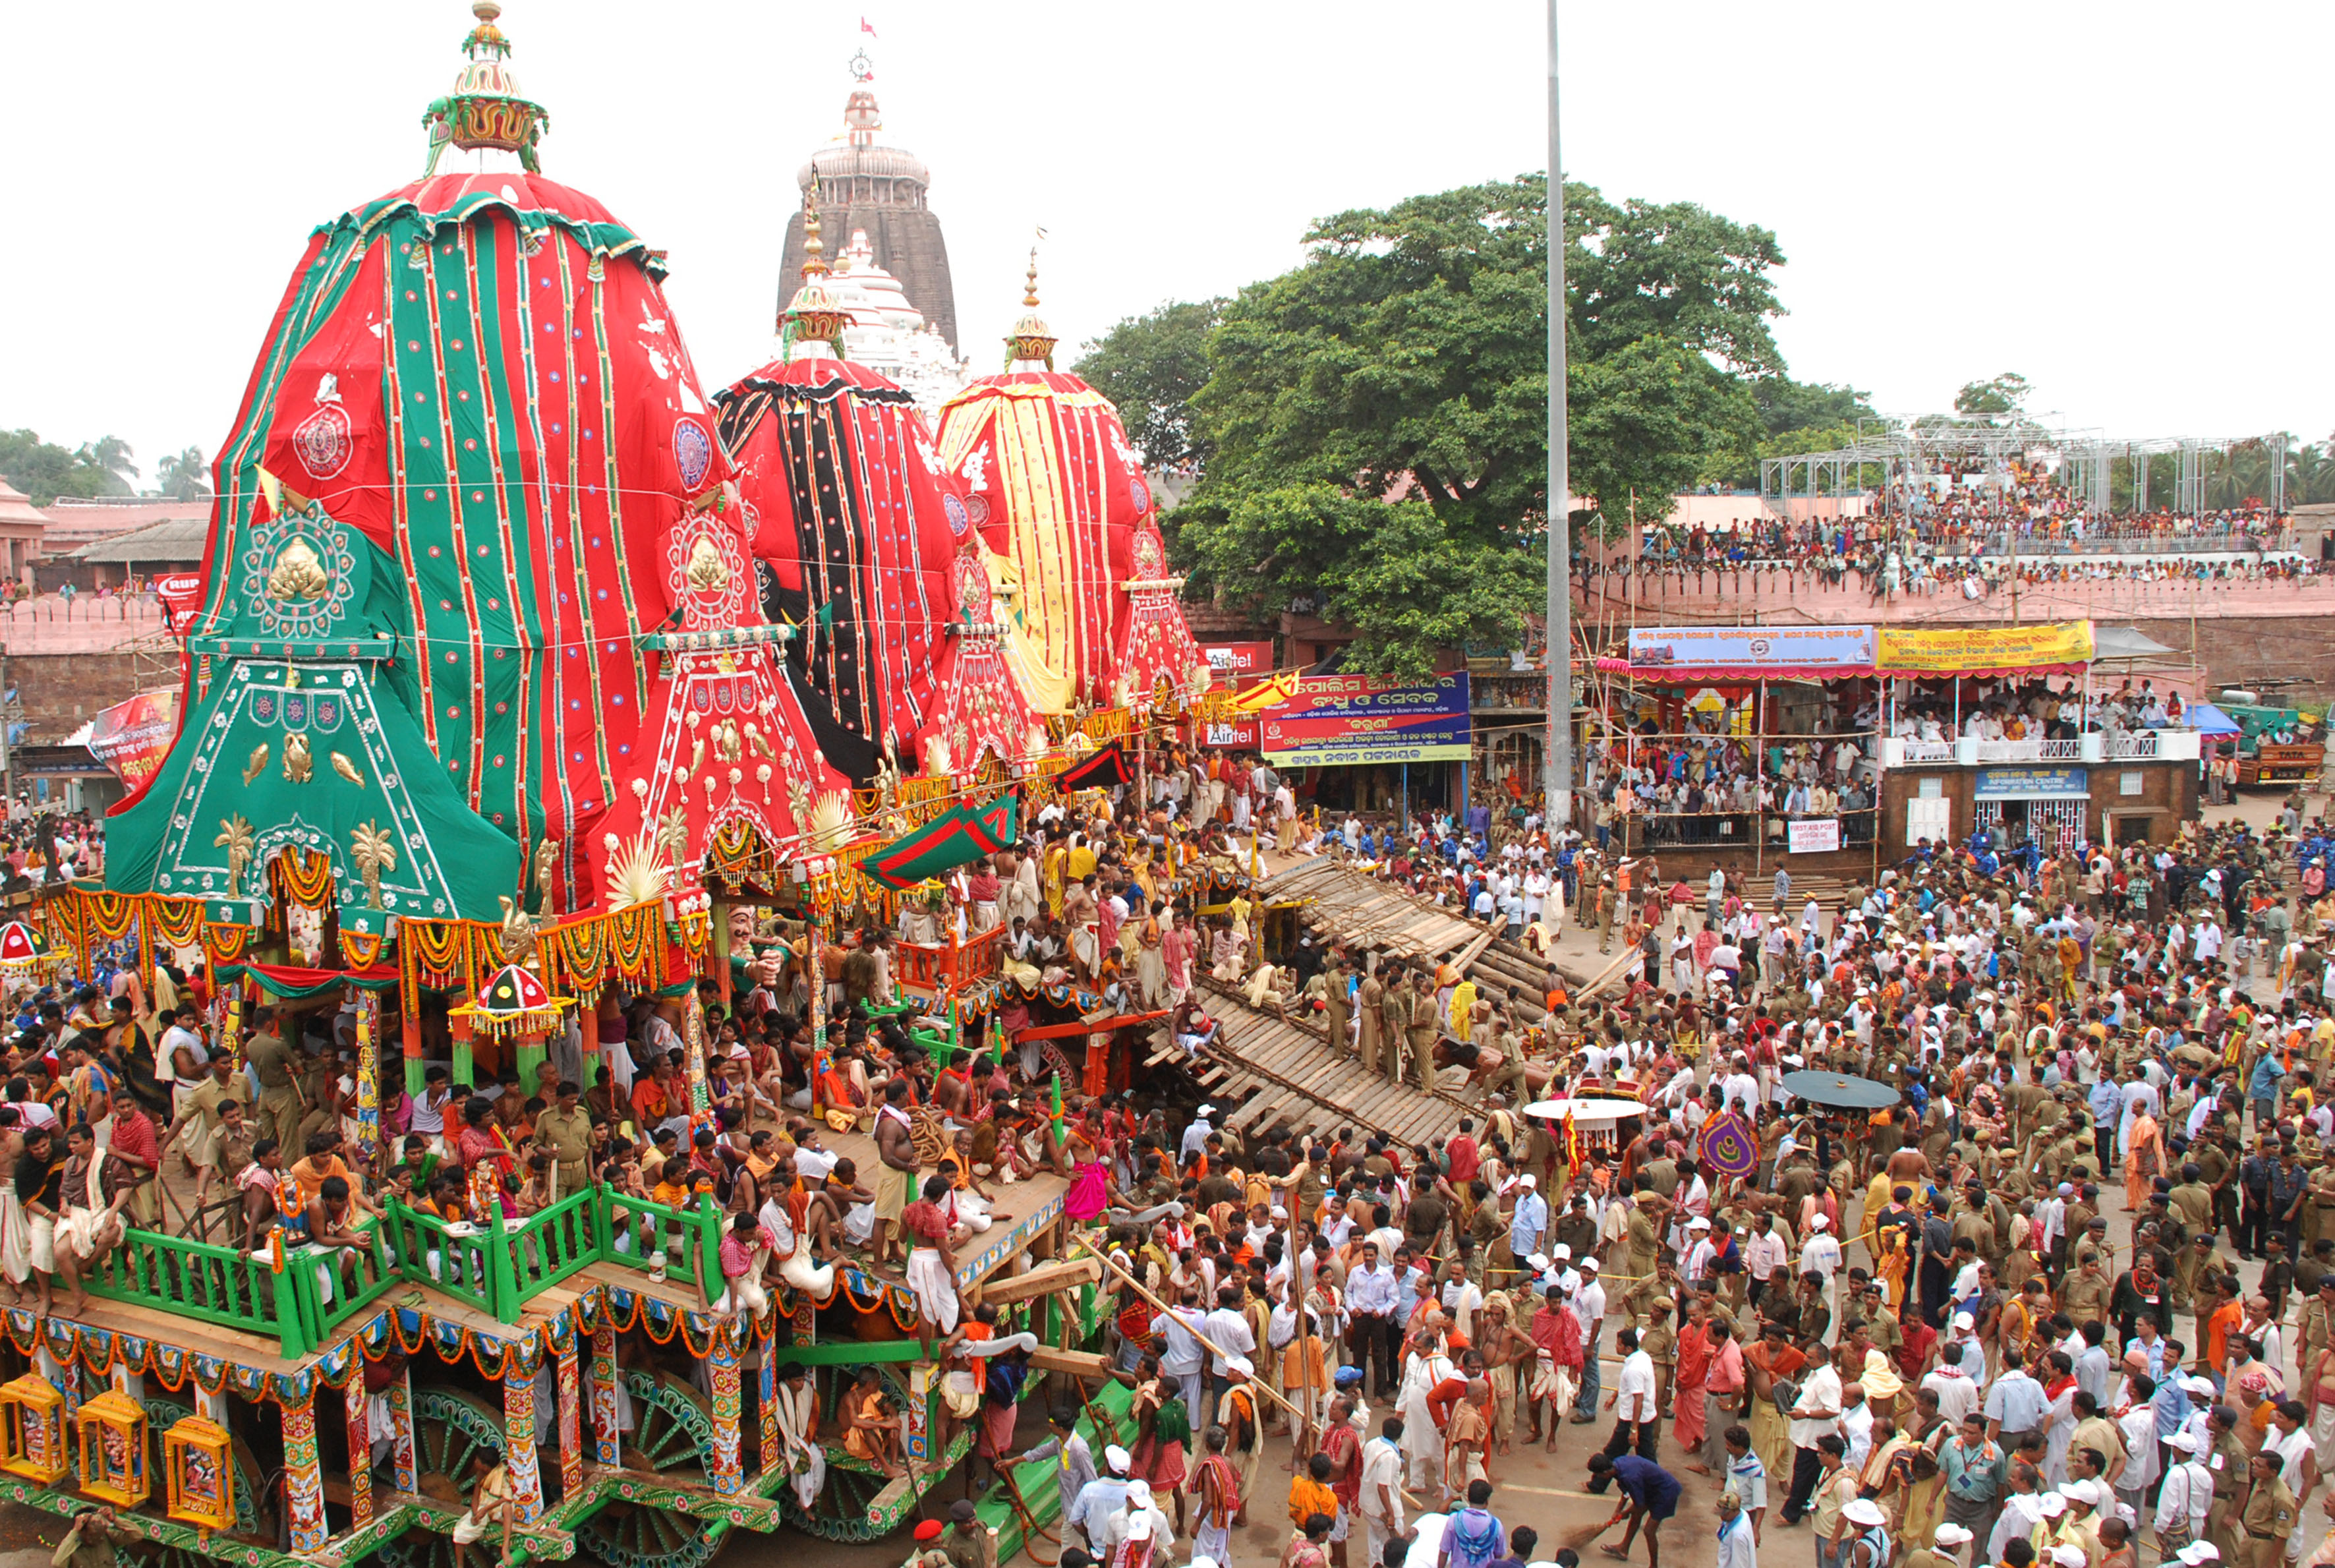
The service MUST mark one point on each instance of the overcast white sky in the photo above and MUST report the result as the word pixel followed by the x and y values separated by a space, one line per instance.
pixel 2116 200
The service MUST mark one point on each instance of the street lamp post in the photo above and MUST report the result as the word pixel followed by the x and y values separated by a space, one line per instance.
pixel 1557 756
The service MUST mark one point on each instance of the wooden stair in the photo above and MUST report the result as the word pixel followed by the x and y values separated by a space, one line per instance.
pixel 1269 1070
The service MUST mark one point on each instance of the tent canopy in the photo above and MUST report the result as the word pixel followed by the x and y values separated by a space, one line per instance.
pixel 2211 720
pixel 2124 642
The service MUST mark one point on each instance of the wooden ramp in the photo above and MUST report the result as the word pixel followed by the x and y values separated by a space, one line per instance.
pixel 1263 1069
pixel 1349 907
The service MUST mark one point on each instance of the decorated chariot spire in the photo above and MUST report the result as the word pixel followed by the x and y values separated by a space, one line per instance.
pixel 486 108
pixel 814 314
pixel 1032 339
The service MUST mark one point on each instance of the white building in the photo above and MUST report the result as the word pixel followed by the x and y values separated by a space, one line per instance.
pixel 887 334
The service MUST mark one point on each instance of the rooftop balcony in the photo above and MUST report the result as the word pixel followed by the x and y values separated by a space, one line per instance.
pixel 1969 752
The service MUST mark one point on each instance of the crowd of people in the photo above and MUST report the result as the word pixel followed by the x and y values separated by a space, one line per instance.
pixel 2001 1321
pixel 1959 529
pixel 2002 1315
pixel 1714 784
pixel 1959 508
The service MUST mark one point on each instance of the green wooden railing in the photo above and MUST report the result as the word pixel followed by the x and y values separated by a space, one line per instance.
pixel 497 1268
pixel 333 1288
pixel 545 1248
pixel 462 1266
pixel 633 1231
pixel 218 1284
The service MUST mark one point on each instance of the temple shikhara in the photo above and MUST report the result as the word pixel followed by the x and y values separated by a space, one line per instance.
pixel 542 709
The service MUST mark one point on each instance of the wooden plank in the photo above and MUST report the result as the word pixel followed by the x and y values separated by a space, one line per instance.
pixel 192 1333
pixel 1043 1280
pixel 1078 1363
pixel 1324 1075
pixel 1260 1105
pixel 1472 950
pixel 1379 1100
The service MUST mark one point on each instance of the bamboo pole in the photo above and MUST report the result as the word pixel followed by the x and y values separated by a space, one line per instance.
pixel 1136 1285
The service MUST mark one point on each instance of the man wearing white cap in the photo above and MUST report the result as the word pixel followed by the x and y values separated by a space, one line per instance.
pixel 2185 1498
pixel 1196 1135
pixel 1865 1534
pixel 1701 1253
pixel 1820 1254
pixel 1139 1526
pixel 1101 1498
pixel 1945 1541
pixel 2024 1508
pixel 2083 1522
pixel 1528 1220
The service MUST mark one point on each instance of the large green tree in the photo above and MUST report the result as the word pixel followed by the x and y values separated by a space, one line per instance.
pixel 44 471
pixel 2002 398
pixel 1374 421
pixel 1150 366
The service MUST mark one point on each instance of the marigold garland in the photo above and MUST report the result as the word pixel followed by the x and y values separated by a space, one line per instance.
pixel 361 951
pixel 635 935
pixel 178 922
pixel 576 956
pixel 305 875
pixel 113 914
pixel 224 944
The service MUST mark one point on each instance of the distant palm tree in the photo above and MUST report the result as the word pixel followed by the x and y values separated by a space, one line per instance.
pixel 111 456
pixel 2311 473
pixel 184 475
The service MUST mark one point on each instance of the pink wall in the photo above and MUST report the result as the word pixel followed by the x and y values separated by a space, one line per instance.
pixel 1753 597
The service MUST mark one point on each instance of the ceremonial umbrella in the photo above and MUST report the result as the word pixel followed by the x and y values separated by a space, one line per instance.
pixel 1587 1111
pixel 1840 1089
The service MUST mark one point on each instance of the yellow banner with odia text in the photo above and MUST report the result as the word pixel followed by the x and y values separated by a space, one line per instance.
pixel 1964 649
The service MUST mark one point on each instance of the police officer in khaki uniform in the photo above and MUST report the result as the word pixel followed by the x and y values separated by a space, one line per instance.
pixel 2226 1459
pixel 279 1096
pixel 1642 1243
pixel 1426 1020
pixel 2268 1516
pixel 2317 1322
pixel 1394 1022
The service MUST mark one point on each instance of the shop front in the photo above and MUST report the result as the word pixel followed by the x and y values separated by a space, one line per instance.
pixel 2125 801
pixel 1366 743
pixel 2046 807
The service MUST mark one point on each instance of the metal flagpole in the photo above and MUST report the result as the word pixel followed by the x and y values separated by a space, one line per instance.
pixel 1557 776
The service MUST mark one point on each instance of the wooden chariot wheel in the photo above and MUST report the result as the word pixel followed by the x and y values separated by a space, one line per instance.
pixel 250 1525
pixel 672 1439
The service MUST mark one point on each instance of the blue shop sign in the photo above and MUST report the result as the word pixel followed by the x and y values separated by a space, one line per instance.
pixel 2033 784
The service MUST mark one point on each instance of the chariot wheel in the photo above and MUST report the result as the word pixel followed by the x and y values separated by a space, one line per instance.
pixel 449 1429
pixel 843 1509
pixel 249 1525
pixel 671 1440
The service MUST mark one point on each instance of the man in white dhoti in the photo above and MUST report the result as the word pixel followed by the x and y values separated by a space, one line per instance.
pixel 28 1207
pixel 801 1456
pixel 91 1221
pixel 932 1265
pixel 1422 1442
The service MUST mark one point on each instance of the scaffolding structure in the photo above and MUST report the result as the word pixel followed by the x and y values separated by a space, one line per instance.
pixel 1894 464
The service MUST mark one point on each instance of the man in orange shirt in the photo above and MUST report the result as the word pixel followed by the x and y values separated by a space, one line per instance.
pixel 2224 1319
pixel 653 1097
